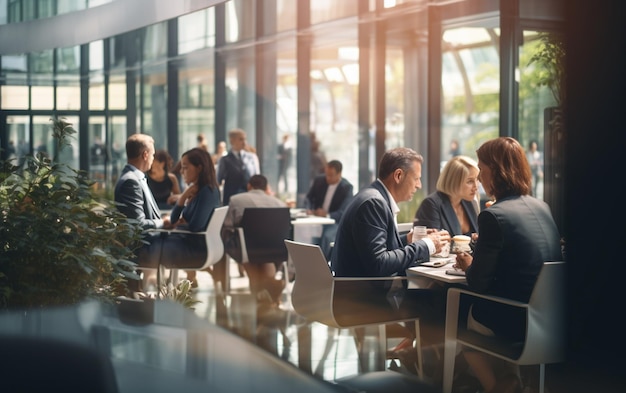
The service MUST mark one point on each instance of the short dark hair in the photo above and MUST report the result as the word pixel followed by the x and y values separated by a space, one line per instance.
pixel 336 165
pixel 258 182
pixel 398 158
pixel 510 171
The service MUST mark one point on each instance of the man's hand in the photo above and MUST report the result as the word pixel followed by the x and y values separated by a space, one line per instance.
pixel 439 237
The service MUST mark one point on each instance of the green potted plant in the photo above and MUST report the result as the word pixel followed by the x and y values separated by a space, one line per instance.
pixel 61 244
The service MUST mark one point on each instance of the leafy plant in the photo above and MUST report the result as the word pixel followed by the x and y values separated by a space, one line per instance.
pixel 550 58
pixel 181 293
pixel 59 242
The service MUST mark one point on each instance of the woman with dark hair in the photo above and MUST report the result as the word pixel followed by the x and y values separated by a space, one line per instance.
pixel 517 235
pixel 163 184
pixel 192 212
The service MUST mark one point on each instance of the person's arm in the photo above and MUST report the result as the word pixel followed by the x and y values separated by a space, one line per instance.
pixel 203 203
pixel 481 271
pixel 131 203
pixel 371 229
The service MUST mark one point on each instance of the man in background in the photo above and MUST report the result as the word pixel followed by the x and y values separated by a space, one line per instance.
pixel 261 275
pixel 328 196
pixel 237 167
pixel 132 194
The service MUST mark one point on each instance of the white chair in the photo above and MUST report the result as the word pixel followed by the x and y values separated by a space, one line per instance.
pixel 214 245
pixel 314 290
pixel 545 336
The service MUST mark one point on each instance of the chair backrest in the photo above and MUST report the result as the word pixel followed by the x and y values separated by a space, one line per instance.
pixel 312 293
pixel 264 230
pixel 214 244
pixel 545 334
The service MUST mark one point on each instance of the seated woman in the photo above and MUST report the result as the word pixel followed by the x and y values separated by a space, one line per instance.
pixel 453 206
pixel 517 235
pixel 163 184
pixel 192 212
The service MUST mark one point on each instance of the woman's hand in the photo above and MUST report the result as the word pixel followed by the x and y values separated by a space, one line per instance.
pixel 463 261
pixel 188 195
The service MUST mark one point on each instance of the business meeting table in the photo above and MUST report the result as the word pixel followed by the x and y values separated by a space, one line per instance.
pixel 438 269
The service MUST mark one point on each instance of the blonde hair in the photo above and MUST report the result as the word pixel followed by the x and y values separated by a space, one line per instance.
pixel 454 174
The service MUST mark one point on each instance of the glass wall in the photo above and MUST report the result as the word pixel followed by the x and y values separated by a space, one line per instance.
pixel 128 78
pixel 470 88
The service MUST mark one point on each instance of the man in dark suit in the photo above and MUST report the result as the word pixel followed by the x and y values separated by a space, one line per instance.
pixel 132 194
pixel 330 193
pixel 368 245
pixel 237 167
pixel 328 196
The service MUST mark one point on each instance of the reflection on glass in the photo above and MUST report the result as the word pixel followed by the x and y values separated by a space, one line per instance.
pixel 534 99
pixel 196 31
pixel 470 89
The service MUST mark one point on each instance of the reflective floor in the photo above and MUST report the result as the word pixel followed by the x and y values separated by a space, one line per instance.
pixel 331 355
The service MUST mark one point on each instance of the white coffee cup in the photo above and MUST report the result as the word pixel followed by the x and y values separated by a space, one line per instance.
pixel 460 243
pixel 419 232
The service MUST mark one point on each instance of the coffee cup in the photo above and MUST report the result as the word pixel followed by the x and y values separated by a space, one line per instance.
pixel 460 243
pixel 419 232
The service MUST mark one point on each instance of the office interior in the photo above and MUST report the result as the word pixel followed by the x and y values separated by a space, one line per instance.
pixel 360 77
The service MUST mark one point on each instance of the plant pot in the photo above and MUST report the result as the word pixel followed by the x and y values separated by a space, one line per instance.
pixel 137 312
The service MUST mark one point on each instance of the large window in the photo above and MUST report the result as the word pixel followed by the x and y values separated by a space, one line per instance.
pixel 470 86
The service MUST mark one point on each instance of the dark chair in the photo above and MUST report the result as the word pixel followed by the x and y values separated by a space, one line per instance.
pixel 36 364
pixel 263 231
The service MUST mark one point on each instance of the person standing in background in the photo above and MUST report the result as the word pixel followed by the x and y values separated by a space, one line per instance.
pixel 535 160
pixel 237 167
pixel 285 153
pixel 202 142
pixel 219 153
pixel 455 149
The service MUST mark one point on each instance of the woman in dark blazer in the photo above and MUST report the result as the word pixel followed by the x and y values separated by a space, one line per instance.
pixel 517 235
pixel 453 206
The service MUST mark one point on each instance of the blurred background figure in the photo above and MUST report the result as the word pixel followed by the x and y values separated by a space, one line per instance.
pixel 220 152
pixel 455 149
pixel 202 142
pixel 535 160
pixel 285 154
pixel 318 158
pixel 163 184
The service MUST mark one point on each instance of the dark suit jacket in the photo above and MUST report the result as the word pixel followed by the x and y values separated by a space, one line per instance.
pixel 341 198
pixel 436 211
pixel 368 243
pixel 136 201
pixel 517 234
pixel 233 172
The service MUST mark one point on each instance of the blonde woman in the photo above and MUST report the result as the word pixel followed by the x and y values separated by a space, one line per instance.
pixel 453 206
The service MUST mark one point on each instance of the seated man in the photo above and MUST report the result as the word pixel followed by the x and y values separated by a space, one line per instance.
pixel 368 245
pixel 328 196
pixel 132 193
pixel 261 276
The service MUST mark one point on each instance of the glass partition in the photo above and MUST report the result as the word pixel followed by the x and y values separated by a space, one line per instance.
pixel 470 89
